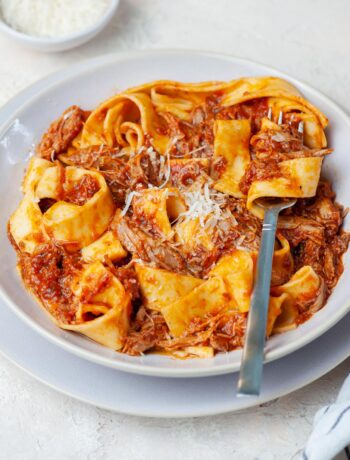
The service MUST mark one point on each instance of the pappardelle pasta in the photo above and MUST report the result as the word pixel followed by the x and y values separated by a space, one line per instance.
pixel 139 227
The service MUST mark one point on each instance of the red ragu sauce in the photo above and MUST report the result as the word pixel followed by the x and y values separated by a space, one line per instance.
pixel 253 110
pixel 82 190
pixel 49 273
pixel 185 175
pixel 316 238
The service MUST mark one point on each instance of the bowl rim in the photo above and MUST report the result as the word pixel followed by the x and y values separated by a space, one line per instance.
pixel 37 89
pixel 60 40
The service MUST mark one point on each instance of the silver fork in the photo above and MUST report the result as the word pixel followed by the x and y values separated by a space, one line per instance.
pixel 280 120
pixel 249 381
pixel 253 352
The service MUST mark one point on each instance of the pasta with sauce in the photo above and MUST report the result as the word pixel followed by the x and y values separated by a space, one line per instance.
pixel 138 225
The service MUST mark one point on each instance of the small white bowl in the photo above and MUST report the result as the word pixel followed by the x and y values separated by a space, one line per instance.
pixel 52 44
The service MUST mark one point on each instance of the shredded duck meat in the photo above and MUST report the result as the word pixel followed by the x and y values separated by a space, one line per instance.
pixel 144 247
pixel 195 138
pixel 82 190
pixel 148 329
pixel 223 332
pixel 248 225
pixel 313 229
pixel 61 133
pixel 283 144
pixel 127 276
pixel 222 222
pixel 123 172
pixel 49 273
pixel 183 176
pixel 258 171
pixel 268 144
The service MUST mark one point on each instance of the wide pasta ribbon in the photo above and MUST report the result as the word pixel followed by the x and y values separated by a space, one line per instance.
pixel 182 298
pixel 157 208
pixel 68 223
pixel 232 145
pixel 25 224
pixel 298 178
pixel 125 119
pixel 80 225
pixel 104 316
pixel 188 161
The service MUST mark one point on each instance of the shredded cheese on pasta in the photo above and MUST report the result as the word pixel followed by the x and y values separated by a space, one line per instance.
pixel 202 204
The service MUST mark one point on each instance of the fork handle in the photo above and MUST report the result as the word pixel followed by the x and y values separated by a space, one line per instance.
pixel 253 353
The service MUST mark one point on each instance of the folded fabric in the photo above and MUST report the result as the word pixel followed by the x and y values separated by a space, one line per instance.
pixel 331 428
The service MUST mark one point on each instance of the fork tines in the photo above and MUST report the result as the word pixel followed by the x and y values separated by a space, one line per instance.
pixel 280 118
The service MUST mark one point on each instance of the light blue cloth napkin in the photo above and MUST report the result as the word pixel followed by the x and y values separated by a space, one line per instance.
pixel 331 428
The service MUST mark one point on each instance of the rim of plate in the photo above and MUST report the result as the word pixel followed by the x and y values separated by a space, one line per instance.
pixel 37 89
pixel 246 403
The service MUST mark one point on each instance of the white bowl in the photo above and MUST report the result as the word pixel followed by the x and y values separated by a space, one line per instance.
pixel 52 44
pixel 22 122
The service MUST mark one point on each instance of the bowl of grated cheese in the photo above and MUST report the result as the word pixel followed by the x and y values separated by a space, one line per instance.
pixel 55 25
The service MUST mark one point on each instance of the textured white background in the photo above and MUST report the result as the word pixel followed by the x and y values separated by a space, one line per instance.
pixel 307 39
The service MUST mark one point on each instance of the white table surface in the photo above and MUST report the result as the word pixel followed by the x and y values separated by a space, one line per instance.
pixel 307 39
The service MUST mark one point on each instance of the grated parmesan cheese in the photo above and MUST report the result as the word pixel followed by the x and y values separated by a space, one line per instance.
pixel 128 202
pixel 204 204
pixel 167 171
pixel 52 18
